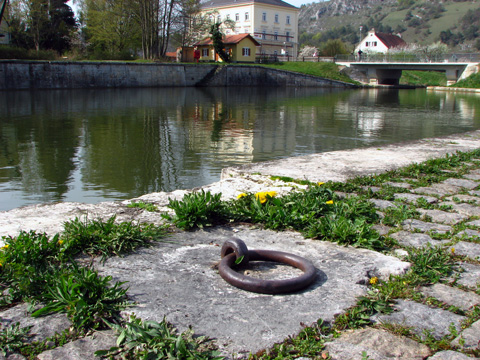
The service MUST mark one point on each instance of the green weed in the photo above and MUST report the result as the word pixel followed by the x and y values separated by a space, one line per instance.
pixel 12 337
pixel 86 297
pixel 105 238
pixel 152 340
pixel 142 205
pixel 197 209
pixel 429 264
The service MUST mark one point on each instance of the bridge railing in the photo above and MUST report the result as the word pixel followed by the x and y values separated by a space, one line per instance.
pixel 407 58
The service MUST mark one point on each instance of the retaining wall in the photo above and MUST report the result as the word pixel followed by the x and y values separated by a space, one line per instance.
pixel 17 75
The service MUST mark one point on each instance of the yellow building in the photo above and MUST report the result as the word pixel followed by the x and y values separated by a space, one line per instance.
pixel 241 47
pixel 273 23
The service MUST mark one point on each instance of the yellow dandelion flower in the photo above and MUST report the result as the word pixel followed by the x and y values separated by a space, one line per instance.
pixel 329 202
pixel 261 196
pixel 452 250
pixel 241 195
pixel 373 280
pixel 5 247
pixel 320 183
pixel 60 242
pixel 272 193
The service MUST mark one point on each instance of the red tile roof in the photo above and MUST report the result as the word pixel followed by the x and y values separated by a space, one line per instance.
pixel 390 40
pixel 229 40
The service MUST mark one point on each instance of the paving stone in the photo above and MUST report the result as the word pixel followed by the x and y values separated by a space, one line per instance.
pixel 443 216
pixel 373 189
pixel 469 249
pixel 438 189
pixel 468 233
pixel 418 225
pixel 475 171
pixel 474 223
pixel 412 198
pixel 474 192
pixel 474 177
pixel 178 280
pixel 421 317
pixel 464 198
pixel 82 349
pixel 417 240
pixel 452 296
pixel 449 355
pixel 378 344
pixel 463 183
pixel 41 327
pixel 470 336
pixel 403 185
pixel 470 277
pixel 382 229
pixel 383 204
pixel 463 208
pixel 12 357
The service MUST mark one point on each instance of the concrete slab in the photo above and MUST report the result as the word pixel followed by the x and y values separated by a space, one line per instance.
pixel 342 165
pixel 179 280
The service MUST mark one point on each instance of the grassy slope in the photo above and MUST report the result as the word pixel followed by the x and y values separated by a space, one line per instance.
pixel 431 78
pixel 322 69
pixel 472 81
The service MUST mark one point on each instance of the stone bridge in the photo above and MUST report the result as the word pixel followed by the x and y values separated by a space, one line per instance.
pixel 389 73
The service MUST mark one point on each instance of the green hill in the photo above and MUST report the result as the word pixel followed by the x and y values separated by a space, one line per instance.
pixel 454 22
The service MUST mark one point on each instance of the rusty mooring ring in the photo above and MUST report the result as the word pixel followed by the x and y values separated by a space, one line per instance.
pixel 234 249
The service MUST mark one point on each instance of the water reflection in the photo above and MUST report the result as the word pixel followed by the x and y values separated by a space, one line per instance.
pixel 95 145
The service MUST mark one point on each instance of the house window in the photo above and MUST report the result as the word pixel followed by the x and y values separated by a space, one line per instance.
pixel 264 34
pixel 219 19
pixel 228 16
pixel 237 17
pixel 275 52
pixel 374 43
pixel 275 35
pixel 276 18
pixel 246 51
pixel 204 52
pixel 367 44
pixel 247 17
pixel 288 19
pixel 287 35
pixel 264 16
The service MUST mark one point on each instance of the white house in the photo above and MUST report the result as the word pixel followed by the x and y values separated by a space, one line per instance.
pixel 379 42
pixel 273 23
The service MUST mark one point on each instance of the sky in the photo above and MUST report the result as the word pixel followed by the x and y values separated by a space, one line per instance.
pixel 299 3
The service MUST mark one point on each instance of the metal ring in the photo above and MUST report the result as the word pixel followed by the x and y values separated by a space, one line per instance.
pixel 265 286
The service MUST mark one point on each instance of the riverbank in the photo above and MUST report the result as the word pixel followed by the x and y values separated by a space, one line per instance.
pixel 442 212
pixel 21 75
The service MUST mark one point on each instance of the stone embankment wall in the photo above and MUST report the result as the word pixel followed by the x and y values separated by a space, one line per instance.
pixel 17 75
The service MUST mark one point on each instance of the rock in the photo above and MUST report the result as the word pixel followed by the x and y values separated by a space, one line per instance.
pixel 381 229
pixel 377 344
pixel 421 317
pixel 452 296
pixel 82 349
pixel 469 338
pixel 449 355
pixel 469 249
pixel 439 189
pixel 468 233
pixel 417 240
pixel 443 217
pixel 474 223
pixel 464 209
pixel 41 327
pixel 470 277
pixel 462 183
pixel 418 225
pixel 474 177
pixel 412 198
pixel 242 321
pixel 383 204
pixel 464 198
pixel 403 185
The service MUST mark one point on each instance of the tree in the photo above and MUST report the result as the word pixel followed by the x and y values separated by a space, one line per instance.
pixel 334 47
pixel 217 39
pixel 111 26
